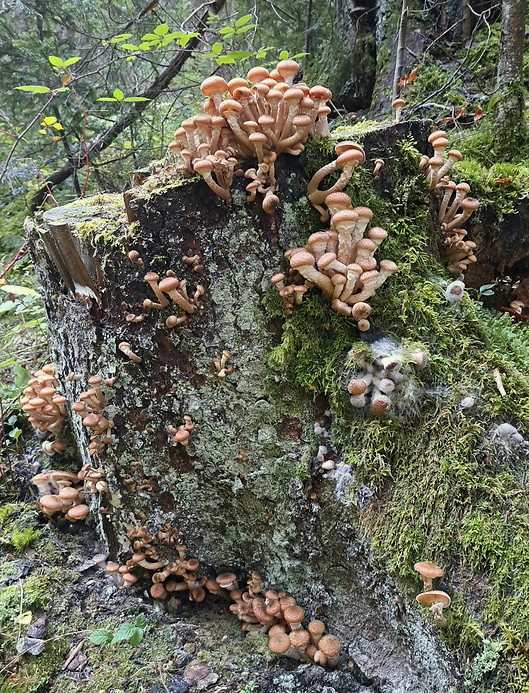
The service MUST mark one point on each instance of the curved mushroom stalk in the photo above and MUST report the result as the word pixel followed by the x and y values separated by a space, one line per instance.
pixel 347 161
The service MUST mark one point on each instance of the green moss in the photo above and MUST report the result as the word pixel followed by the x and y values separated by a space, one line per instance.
pixel 445 490
pixel 23 538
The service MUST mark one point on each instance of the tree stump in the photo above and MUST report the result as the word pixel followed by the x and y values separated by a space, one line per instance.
pixel 243 492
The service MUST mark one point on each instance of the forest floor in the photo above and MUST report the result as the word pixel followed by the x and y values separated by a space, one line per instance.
pixel 54 597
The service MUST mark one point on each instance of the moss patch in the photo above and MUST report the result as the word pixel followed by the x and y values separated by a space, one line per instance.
pixel 445 489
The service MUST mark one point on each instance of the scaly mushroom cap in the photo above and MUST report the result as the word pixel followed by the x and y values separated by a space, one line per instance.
pixel 51 504
pixel 235 83
pixel 316 627
pixel 463 187
pixel 301 259
pixel 352 156
pixel 338 199
pixel 469 203
pixel 433 597
pixel 428 570
pixel 299 638
pixel 397 103
pixel 330 645
pixel 455 154
pixel 436 134
pixel 344 215
pixel 356 387
pixel 293 614
pixel 69 494
pixel 279 643
pixel 319 93
pixel 213 85
pixel 230 106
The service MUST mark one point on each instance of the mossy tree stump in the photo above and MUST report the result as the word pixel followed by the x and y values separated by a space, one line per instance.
pixel 243 492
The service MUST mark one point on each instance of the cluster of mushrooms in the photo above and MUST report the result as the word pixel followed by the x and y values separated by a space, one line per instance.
pixel 455 207
pixel 278 615
pixel 61 492
pixel 381 377
pixel 182 433
pixel 90 407
pixel 162 561
pixel 435 600
pixel 176 289
pixel 258 117
pixel 45 407
pixel 339 262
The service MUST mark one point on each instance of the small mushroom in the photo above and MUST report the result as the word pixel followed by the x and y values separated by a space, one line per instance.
pixel 436 601
pixel 429 572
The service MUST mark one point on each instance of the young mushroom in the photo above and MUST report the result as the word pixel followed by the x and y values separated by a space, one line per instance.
pixel 428 571
pixel 436 601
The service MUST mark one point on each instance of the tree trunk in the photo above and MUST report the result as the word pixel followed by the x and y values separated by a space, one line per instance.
pixel 509 110
pixel 243 493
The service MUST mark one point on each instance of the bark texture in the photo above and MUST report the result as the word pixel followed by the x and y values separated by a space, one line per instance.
pixel 239 493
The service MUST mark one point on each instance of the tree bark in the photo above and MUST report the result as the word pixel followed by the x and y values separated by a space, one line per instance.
pixel 509 110
pixel 242 493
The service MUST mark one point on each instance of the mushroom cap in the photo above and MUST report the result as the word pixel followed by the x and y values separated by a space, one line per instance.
pixel 316 627
pixel 270 203
pixel 330 645
pixel 388 266
pixel 258 137
pixel 463 187
pixel 352 156
pixel 150 277
pixel 230 106
pixel 213 85
pixel 301 121
pixel 293 614
pixel 396 103
pixel 436 161
pixel 428 570
pixel 377 234
pixel 301 259
pixel 266 120
pixel 112 567
pixel 344 215
pixel 364 212
pixel 347 145
pixel 203 166
pixel 130 578
pixel 367 245
pixel 436 134
pixel 299 638
pixel 360 311
pixel 319 93
pixel 380 405
pixel 225 579
pixel 293 94
pixel 433 597
pixel 318 237
pixel 287 68
pixel 78 512
pixel 440 142
pixel 51 504
pixel 169 284
pixel 279 643
pixel 469 203
pixel 355 387
pixel 157 591
pixel 338 199
pixel 257 74
pixel 68 493
pixel 237 82
pixel 277 628
pixel 455 154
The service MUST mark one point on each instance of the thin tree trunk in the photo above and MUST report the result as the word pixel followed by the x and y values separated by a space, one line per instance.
pixel 401 47
pixel 509 110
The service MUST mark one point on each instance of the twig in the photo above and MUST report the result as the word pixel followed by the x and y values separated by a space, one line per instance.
pixel 499 382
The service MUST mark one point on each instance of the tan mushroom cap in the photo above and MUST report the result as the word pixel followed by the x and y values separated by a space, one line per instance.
pixel 279 643
pixel 287 68
pixel 257 74
pixel 397 102
pixel 347 145
pixel 169 284
pixel 350 157
pixel 301 259
pixel 433 597
pixel 51 504
pixel 225 579
pixel 428 570
pixel 436 134
pixel 469 203
pixel 213 85
pixel 112 567
pixel 78 512
pixel 316 627
pixel 293 614
pixel 330 645
pixel 338 198
pixel 299 638
pixel 455 154
pixel 344 215
pixel 356 387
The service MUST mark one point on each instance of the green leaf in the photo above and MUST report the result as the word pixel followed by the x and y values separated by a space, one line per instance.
pixel 298 55
pixel 283 55
pixel 131 57
pixel 162 29
pixel 216 48
pixel 137 634
pixel 119 38
pixel 240 55
pixel 20 376
pixel 486 286
pixel 118 94
pixel 19 290
pixel 34 89
pixel 140 621
pixel 124 631
pixel 184 40
pixel 129 47
pixel 106 98
pixel 127 144
pixel 48 120
pixel 6 307
pixel 57 126
pixel 150 37
pixel 15 433
pixel 135 99
pixel 487 293
pixel 225 60
pixel 243 20
pixel 100 637
pixel 246 28
pixel 55 61
pixel 70 61
pixel 57 91
pixel 146 46
pixel 227 31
